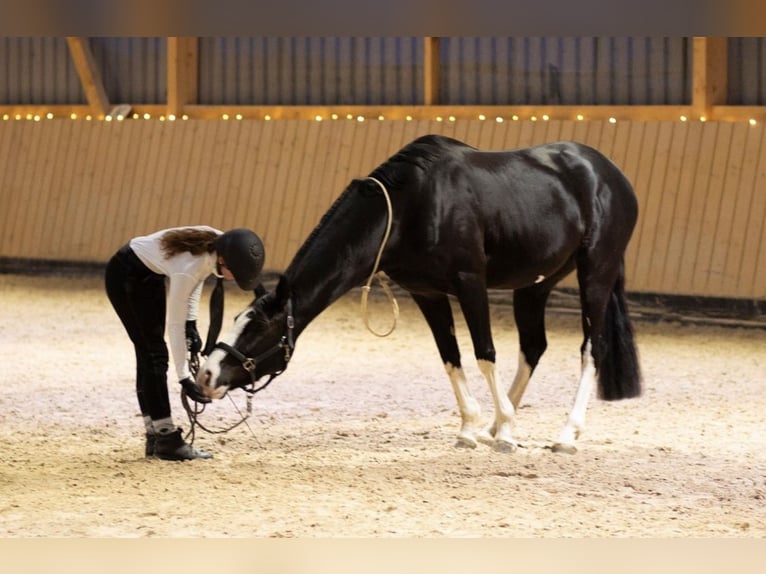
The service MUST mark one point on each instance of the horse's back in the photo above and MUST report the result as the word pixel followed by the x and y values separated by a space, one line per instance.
pixel 555 179
pixel 518 214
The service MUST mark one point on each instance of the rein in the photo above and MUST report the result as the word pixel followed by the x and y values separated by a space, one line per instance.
pixel 381 276
pixel 193 412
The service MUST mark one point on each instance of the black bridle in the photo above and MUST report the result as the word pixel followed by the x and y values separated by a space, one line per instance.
pixel 286 345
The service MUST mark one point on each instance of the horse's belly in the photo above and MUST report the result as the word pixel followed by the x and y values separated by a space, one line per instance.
pixel 517 272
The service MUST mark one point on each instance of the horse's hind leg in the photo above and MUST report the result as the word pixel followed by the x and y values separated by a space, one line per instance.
pixel 576 421
pixel 596 282
pixel 438 314
pixel 529 313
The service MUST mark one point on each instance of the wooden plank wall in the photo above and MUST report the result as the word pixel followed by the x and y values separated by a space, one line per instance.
pixel 75 190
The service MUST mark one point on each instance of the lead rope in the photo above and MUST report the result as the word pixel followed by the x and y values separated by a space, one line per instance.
pixel 193 412
pixel 380 276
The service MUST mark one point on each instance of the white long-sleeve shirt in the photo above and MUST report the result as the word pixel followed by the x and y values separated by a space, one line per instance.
pixel 185 274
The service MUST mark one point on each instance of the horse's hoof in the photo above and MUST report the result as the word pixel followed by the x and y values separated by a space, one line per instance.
pixel 465 442
pixel 504 446
pixel 564 448
pixel 484 437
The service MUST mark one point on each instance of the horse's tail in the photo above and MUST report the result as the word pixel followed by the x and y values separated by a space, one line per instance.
pixel 619 376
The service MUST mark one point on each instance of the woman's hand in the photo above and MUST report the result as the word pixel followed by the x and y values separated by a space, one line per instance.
pixel 193 340
pixel 193 391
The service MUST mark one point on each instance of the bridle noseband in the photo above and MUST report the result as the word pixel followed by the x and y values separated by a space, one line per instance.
pixel 286 344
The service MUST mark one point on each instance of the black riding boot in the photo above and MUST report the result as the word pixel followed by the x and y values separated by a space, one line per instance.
pixel 171 446
pixel 151 443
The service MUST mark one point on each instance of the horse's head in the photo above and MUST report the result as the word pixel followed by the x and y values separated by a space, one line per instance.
pixel 260 343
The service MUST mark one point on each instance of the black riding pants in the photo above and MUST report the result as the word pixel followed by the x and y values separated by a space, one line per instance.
pixel 138 296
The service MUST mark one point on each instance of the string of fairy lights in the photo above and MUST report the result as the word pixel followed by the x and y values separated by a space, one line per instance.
pixel 317 118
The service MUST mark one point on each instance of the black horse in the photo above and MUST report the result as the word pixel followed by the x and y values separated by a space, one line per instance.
pixel 461 221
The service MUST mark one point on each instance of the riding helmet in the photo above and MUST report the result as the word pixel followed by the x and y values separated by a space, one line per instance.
pixel 243 252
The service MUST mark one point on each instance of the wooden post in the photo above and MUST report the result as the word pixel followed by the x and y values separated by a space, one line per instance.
pixel 92 84
pixel 182 74
pixel 709 75
pixel 431 71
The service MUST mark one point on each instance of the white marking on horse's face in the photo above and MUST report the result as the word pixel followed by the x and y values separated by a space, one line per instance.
pixel 207 378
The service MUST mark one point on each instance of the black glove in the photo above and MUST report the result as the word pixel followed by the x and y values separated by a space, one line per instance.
pixel 193 340
pixel 193 391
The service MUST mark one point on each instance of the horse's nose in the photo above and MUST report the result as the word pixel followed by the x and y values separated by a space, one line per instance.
pixel 203 378
pixel 208 382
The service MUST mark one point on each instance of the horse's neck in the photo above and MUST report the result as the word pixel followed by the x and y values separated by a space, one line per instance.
pixel 319 284
pixel 338 256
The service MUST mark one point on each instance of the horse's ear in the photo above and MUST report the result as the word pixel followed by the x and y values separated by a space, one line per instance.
pixel 283 291
pixel 259 291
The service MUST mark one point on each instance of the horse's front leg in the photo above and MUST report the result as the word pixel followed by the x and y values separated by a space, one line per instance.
pixel 471 432
pixel 474 302
pixel 438 314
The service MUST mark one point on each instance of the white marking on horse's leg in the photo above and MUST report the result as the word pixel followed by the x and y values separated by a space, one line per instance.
pixel 540 279
pixel 470 411
pixel 576 421
pixel 503 408
pixel 520 381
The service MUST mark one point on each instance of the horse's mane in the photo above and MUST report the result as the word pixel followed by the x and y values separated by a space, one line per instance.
pixel 420 154
pixel 309 241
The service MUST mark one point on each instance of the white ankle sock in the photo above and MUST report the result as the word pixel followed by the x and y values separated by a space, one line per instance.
pixel 164 426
